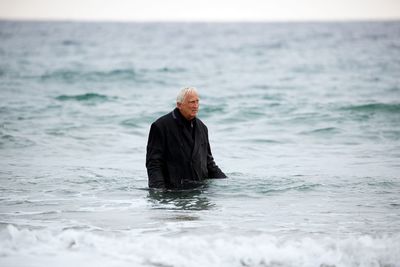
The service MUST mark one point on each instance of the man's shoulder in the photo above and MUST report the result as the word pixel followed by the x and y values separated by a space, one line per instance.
pixel 165 119
pixel 201 125
pixel 200 122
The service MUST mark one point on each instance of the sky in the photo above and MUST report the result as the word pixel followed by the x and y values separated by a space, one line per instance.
pixel 200 10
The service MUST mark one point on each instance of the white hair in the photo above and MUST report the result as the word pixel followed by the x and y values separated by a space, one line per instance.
pixel 184 92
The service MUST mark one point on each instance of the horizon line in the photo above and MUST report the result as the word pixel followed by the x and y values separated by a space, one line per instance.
pixel 305 20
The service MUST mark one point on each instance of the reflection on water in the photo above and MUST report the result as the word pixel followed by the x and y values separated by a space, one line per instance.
pixel 193 199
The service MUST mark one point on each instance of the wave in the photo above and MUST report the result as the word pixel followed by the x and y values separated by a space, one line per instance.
pixel 13 141
pixel 209 110
pixel 113 75
pixel 375 108
pixel 84 97
pixel 262 140
pixel 75 76
pixel 323 131
pixel 261 186
pixel 140 248
pixel 170 70
pixel 70 43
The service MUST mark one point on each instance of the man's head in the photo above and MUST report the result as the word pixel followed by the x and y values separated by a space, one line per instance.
pixel 187 102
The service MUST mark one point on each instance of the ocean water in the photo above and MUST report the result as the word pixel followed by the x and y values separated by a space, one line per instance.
pixel 304 118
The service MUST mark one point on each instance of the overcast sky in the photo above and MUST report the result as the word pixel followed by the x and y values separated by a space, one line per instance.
pixel 200 10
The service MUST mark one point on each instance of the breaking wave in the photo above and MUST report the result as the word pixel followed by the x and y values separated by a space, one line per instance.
pixel 75 247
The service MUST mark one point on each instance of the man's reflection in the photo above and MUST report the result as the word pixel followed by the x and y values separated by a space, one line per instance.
pixel 188 199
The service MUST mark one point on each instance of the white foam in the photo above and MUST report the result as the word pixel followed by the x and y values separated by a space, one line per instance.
pixel 24 247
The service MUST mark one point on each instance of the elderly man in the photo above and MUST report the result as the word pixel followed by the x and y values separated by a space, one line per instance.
pixel 178 150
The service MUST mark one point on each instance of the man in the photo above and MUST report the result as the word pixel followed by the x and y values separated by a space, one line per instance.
pixel 178 150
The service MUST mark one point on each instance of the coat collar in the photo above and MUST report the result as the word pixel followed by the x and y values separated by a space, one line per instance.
pixel 176 114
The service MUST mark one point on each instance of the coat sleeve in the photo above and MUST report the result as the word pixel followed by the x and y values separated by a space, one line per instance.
pixel 155 158
pixel 213 170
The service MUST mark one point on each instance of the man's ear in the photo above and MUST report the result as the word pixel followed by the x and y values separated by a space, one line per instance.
pixel 178 105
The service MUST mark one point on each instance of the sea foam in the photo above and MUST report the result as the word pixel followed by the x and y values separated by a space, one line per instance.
pixel 83 248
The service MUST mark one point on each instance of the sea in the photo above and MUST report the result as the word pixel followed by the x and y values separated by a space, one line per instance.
pixel 303 117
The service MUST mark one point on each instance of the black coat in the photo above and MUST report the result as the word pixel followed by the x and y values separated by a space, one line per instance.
pixel 173 158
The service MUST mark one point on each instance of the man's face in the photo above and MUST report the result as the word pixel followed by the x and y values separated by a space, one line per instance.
pixel 190 106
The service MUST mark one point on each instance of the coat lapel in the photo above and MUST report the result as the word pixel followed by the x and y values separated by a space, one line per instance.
pixel 197 142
